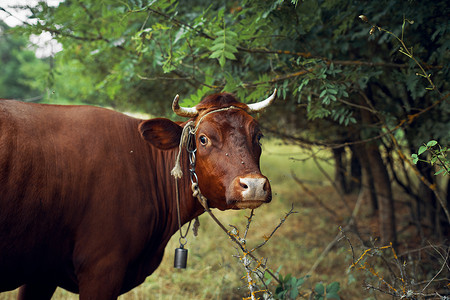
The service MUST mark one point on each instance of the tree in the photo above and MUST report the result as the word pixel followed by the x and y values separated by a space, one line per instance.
pixel 346 81
pixel 22 75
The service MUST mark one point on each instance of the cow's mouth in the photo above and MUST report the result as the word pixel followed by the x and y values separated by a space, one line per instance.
pixel 249 204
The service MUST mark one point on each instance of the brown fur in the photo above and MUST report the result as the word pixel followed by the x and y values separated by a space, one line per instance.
pixel 216 101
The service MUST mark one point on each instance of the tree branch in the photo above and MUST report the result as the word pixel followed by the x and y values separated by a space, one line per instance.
pixel 286 52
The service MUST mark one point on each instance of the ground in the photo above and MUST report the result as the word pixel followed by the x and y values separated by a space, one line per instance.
pixel 214 272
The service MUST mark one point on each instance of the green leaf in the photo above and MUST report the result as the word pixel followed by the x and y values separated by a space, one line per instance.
pixel 268 278
pixel 224 46
pixel 415 158
pixel 333 296
pixel 230 48
pixel 431 144
pixel 294 293
pixel 422 149
pixel 279 269
pixel 439 172
pixel 300 281
pixel 293 281
pixel 332 91
pixel 215 54
pixel 216 47
pixel 222 60
pixel 319 289
pixel 229 55
pixel 333 287
pixel 232 34
pixel 323 93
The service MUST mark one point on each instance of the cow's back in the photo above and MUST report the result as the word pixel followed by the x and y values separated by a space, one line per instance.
pixel 59 166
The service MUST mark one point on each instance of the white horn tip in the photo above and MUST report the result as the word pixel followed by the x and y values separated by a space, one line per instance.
pixel 257 107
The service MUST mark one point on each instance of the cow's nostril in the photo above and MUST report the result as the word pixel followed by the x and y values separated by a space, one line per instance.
pixel 266 185
pixel 243 185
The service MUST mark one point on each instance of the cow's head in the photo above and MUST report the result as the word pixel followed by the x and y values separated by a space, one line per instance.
pixel 228 146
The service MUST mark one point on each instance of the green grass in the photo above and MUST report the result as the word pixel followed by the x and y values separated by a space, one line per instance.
pixel 213 272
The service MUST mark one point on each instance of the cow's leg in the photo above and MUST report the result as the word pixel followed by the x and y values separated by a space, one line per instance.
pixel 36 291
pixel 101 287
pixel 102 281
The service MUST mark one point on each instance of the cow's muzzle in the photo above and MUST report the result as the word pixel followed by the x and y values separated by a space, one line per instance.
pixel 249 191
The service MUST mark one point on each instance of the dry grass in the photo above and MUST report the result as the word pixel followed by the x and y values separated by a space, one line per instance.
pixel 213 272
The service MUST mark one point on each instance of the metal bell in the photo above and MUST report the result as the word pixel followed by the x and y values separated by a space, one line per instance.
pixel 180 258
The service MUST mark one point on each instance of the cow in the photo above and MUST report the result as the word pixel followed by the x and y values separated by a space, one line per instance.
pixel 87 199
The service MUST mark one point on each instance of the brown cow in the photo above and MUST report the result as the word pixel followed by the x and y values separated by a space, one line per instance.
pixel 87 201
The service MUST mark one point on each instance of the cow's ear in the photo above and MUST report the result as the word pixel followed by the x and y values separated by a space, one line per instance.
pixel 161 133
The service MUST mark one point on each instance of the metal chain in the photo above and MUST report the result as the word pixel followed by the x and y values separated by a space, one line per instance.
pixel 182 236
pixel 192 149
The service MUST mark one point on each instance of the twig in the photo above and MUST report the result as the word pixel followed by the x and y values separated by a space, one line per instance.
pixel 442 267
pixel 249 221
pixel 241 246
pixel 247 258
pixel 371 287
pixel 266 238
pixel 349 242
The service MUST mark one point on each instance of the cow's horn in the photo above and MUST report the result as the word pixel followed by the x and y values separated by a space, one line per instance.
pixel 259 106
pixel 189 112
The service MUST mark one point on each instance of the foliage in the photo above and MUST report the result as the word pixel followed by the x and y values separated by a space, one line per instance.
pixel 22 76
pixel 329 291
pixel 289 287
pixel 130 49
pixel 438 156
pixel 224 46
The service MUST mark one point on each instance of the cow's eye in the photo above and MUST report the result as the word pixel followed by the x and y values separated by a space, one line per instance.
pixel 203 140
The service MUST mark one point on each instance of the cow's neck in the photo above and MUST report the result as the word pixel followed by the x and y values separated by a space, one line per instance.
pixel 190 208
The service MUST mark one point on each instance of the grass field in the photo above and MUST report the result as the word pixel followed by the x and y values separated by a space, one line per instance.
pixel 213 272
